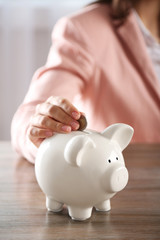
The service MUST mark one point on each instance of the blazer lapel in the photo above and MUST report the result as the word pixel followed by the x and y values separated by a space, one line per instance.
pixel 135 45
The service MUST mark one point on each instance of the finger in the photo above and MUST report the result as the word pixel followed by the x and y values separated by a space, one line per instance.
pixel 46 122
pixel 68 107
pixel 36 132
pixel 57 114
pixel 37 135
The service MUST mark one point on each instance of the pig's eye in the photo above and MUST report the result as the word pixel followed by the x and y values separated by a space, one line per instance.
pixel 116 158
pixel 109 160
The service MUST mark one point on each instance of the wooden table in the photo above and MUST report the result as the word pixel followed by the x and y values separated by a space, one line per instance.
pixel 135 212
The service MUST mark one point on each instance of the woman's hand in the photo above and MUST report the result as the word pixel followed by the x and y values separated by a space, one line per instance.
pixel 54 115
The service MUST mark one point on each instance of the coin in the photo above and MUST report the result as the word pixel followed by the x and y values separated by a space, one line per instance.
pixel 83 123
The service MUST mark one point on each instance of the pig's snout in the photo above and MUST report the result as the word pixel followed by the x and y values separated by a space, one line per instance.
pixel 118 178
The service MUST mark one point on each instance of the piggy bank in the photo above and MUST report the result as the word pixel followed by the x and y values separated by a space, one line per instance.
pixel 83 169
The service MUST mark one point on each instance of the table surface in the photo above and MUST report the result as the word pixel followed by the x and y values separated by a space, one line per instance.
pixel 135 212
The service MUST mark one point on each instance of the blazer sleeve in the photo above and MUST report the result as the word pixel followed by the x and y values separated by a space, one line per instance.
pixel 66 73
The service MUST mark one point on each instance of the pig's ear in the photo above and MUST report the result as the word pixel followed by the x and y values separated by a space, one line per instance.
pixel 75 148
pixel 119 132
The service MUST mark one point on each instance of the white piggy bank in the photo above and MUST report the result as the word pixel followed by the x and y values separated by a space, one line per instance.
pixel 83 169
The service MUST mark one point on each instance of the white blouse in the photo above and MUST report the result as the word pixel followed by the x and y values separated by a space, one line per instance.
pixel 153 47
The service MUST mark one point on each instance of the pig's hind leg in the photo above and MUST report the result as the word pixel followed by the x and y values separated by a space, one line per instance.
pixel 53 205
pixel 103 206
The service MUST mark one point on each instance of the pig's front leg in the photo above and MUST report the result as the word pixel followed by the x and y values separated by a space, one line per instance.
pixel 103 206
pixel 53 205
pixel 79 214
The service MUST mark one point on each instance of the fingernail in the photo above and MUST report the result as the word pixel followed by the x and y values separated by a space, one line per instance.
pixel 76 115
pixel 75 125
pixel 48 134
pixel 66 128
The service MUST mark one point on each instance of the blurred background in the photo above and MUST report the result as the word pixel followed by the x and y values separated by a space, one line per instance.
pixel 25 39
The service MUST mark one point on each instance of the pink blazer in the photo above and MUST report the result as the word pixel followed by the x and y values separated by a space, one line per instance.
pixel 104 69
